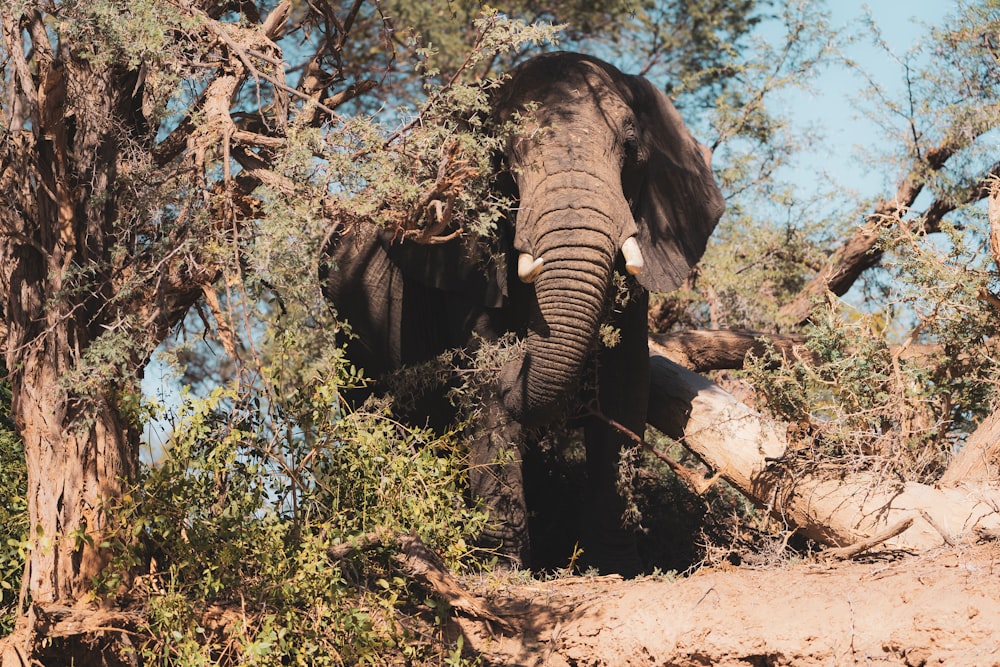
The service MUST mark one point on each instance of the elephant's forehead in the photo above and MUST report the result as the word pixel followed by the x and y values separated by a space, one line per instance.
pixel 568 97
pixel 574 114
pixel 564 85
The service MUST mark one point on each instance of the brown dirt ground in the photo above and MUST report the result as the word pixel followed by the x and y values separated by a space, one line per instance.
pixel 937 608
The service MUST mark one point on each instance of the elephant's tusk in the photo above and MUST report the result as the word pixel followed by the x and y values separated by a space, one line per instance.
pixel 528 267
pixel 633 256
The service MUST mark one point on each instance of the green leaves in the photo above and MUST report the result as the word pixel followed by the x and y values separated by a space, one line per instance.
pixel 13 514
pixel 254 489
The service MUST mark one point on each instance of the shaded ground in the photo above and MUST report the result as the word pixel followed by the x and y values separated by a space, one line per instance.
pixel 937 608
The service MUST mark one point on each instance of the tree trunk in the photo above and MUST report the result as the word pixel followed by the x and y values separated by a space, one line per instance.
pixel 79 271
pixel 78 467
pixel 746 449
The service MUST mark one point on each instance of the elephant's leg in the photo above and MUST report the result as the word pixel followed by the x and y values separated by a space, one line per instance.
pixel 553 494
pixel 495 479
pixel 623 390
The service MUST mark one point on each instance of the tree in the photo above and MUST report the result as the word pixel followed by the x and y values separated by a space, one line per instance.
pixel 878 384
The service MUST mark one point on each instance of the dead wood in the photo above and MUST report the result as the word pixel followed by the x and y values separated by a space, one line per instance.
pixel 693 479
pixel 721 349
pixel 726 349
pixel 102 636
pixel 747 449
pixel 979 459
pixel 55 620
pixel 862 546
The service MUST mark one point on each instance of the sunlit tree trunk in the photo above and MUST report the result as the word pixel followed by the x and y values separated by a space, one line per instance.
pixel 80 452
pixel 78 467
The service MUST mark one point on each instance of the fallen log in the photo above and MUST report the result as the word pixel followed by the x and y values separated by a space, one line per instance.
pixel 719 349
pixel 747 449
pixel 979 458
pixel 702 350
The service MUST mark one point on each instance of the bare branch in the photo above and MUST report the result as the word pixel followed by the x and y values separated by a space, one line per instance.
pixel 694 480
pixel 726 349
pixel 424 566
pixel 861 546
pixel 860 252
pixel 941 207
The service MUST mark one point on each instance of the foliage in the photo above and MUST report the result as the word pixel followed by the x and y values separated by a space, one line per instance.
pixel 13 514
pixel 859 398
pixel 898 382
pixel 241 515
pixel 268 474
pixel 772 236
pixel 689 45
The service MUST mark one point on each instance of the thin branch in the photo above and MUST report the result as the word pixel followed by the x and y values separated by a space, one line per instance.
pixel 15 50
pixel 861 546
pixel 424 566
pixel 940 207
pixel 860 252
pixel 452 80
pixel 694 480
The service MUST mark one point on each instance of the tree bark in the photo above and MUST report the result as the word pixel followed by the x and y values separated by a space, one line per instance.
pixel 721 349
pixel 747 449
pixel 979 459
pixel 726 349
pixel 78 467
pixel 71 273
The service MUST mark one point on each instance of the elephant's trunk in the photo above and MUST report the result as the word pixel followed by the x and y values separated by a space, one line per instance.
pixel 578 246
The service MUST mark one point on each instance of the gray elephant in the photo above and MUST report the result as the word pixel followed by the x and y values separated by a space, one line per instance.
pixel 616 186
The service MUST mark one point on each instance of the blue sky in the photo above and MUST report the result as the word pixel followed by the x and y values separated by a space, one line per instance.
pixel 902 24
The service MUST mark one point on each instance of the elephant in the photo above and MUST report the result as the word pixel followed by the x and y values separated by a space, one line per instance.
pixel 615 193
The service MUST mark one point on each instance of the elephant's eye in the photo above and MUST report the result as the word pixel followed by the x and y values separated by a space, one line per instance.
pixel 631 148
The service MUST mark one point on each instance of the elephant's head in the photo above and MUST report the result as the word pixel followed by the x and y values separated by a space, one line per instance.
pixel 605 172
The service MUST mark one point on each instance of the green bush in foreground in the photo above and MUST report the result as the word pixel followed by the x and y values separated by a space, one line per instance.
pixel 238 523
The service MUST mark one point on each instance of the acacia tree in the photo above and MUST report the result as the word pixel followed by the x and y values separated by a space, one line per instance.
pixel 121 208
pixel 87 286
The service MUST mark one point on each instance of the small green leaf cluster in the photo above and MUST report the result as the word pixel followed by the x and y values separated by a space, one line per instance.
pixel 849 401
pixel 431 174
pixel 131 34
pixel 13 514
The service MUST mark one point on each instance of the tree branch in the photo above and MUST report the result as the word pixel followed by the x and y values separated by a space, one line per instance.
pixel 726 349
pixel 860 252
pixel 421 564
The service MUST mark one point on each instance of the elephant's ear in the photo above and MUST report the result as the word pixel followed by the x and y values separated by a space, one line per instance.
pixel 675 199
pixel 465 265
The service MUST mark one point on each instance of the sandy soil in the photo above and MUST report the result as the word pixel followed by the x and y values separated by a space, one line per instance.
pixel 936 608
